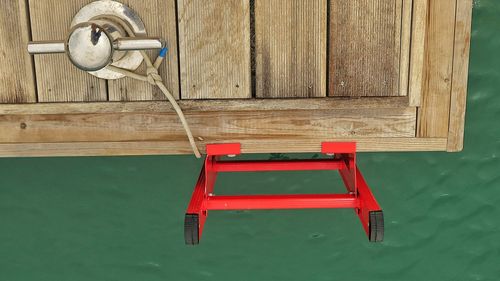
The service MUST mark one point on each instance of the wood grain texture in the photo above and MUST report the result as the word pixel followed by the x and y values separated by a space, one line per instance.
pixel 290 48
pixel 309 145
pixel 58 80
pixel 209 125
pixel 404 63
pixel 214 43
pixel 460 75
pixel 159 17
pixel 417 57
pixel 236 105
pixel 17 82
pixel 365 47
pixel 433 115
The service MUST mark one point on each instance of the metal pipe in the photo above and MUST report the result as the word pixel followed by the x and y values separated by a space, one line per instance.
pixel 46 47
pixel 135 44
pixel 122 44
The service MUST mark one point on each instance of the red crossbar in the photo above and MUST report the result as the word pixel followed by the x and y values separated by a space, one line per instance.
pixel 276 202
pixel 359 196
pixel 266 166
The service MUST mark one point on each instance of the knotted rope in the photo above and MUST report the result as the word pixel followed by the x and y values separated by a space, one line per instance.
pixel 153 76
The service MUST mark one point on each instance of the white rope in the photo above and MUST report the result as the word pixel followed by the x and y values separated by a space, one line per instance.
pixel 154 78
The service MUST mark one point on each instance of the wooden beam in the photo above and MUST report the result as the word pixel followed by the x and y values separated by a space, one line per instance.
pixel 159 17
pixel 58 80
pixel 290 47
pixel 433 115
pixel 460 75
pixel 17 82
pixel 207 105
pixel 182 147
pixel 417 57
pixel 206 125
pixel 214 43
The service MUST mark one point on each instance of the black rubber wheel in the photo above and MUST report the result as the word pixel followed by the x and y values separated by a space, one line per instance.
pixel 191 233
pixel 376 227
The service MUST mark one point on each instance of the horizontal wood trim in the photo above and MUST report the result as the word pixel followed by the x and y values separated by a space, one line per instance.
pixel 181 147
pixel 165 126
pixel 209 105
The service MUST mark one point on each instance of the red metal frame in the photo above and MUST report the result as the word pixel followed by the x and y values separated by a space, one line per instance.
pixel 358 197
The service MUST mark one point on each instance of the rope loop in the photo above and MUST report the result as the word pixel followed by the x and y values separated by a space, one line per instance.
pixel 153 77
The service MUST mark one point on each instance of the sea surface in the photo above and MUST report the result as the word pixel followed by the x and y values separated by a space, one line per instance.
pixel 121 218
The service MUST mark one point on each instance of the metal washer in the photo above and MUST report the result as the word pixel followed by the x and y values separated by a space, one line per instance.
pixel 133 59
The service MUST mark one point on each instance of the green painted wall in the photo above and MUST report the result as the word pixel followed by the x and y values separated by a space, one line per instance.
pixel 122 218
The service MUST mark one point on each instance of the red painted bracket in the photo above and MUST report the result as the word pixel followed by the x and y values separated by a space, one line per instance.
pixel 358 197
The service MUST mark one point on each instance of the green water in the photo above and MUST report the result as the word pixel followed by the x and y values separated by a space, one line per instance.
pixel 122 218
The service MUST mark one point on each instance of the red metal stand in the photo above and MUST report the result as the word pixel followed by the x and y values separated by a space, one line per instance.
pixel 358 197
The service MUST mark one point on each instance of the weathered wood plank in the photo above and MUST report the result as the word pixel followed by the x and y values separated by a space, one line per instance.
pixel 159 16
pixel 365 47
pixel 207 105
pixel 179 147
pixel 460 75
pixel 58 80
pixel 404 61
pixel 214 43
pixel 255 125
pixel 290 47
pixel 417 57
pixel 433 117
pixel 17 82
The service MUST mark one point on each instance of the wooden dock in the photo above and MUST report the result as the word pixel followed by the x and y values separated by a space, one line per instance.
pixel 273 75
